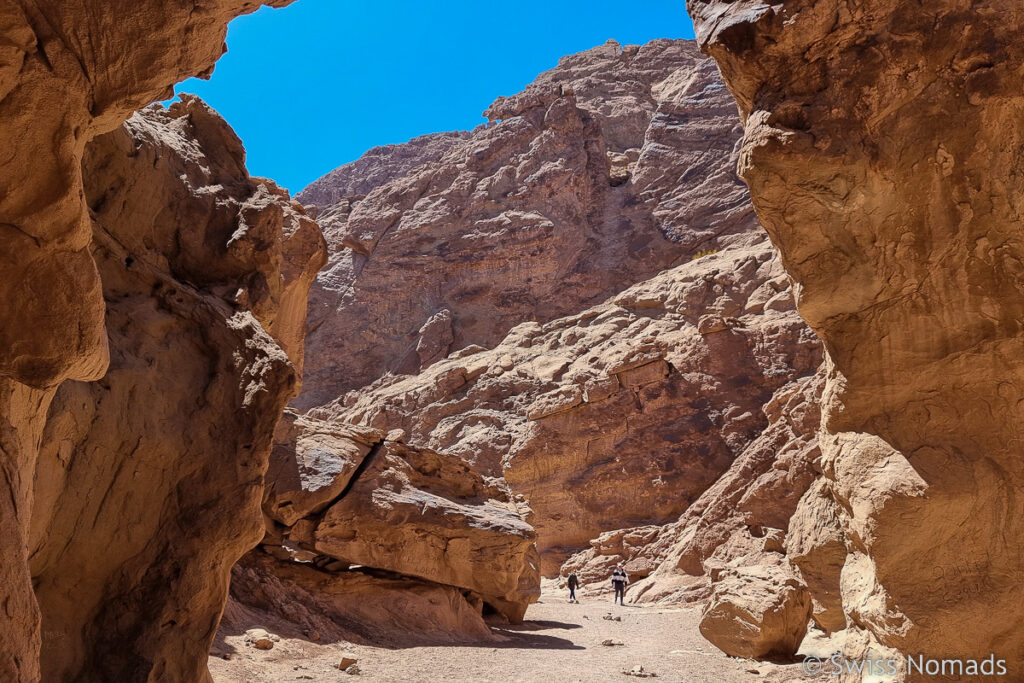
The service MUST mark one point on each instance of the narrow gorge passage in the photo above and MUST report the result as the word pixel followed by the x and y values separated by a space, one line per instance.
pixel 727 306
pixel 559 641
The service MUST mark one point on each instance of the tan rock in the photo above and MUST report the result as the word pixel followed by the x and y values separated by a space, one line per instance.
pixel 596 413
pixel 260 639
pixel 405 510
pixel 816 545
pixel 311 465
pixel 756 611
pixel 358 606
pixel 889 183
pixel 164 456
pixel 418 514
pixel 58 89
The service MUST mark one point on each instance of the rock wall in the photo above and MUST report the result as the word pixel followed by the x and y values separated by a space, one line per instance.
pixel 610 394
pixel 881 147
pixel 740 520
pixel 624 413
pixel 68 71
pixel 529 218
pixel 149 481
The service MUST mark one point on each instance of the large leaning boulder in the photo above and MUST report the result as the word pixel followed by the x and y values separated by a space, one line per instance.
pixel 363 498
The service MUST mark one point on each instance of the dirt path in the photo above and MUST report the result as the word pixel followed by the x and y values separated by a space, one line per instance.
pixel 558 642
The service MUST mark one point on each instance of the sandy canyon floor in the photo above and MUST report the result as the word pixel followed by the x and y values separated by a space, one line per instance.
pixel 559 641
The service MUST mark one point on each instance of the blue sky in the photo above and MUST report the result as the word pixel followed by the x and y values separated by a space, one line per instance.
pixel 314 85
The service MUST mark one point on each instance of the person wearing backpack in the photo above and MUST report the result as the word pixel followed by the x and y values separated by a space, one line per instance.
pixel 619 582
pixel 573 583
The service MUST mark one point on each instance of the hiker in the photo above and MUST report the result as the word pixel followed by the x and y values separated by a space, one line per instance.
pixel 619 582
pixel 574 583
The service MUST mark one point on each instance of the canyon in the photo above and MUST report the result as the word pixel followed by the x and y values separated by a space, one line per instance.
pixel 764 358
pixel 471 366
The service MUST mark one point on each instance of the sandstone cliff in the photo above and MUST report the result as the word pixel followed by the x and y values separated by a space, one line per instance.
pixel 422 265
pixel 881 149
pixel 567 320
pixel 624 413
pixel 68 71
pixel 149 481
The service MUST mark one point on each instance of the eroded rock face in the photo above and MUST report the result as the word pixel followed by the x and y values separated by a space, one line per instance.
pixel 149 481
pixel 603 402
pixel 881 148
pixel 361 606
pixel 68 71
pixel 378 166
pixel 742 519
pixel 622 414
pixel 542 189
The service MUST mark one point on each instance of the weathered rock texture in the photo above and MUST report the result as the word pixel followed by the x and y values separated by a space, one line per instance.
pixel 881 147
pixel 360 606
pixel 526 219
pixel 68 71
pixel 757 611
pixel 622 414
pixel 572 308
pixel 349 494
pixel 378 166
pixel 149 481
pixel 740 520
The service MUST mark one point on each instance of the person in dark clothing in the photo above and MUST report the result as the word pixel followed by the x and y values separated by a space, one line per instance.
pixel 619 582
pixel 574 583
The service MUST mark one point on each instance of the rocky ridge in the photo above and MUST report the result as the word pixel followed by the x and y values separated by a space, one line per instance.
pixel 419 266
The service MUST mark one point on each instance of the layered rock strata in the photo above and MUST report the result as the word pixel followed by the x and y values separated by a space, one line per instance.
pixel 624 413
pixel 881 149
pixel 363 606
pixel 551 363
pixel 741 520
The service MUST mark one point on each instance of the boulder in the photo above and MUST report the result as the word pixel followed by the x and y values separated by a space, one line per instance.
pixel 364 606
pixel 756 611
pixel 406 510
pixel 413 513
